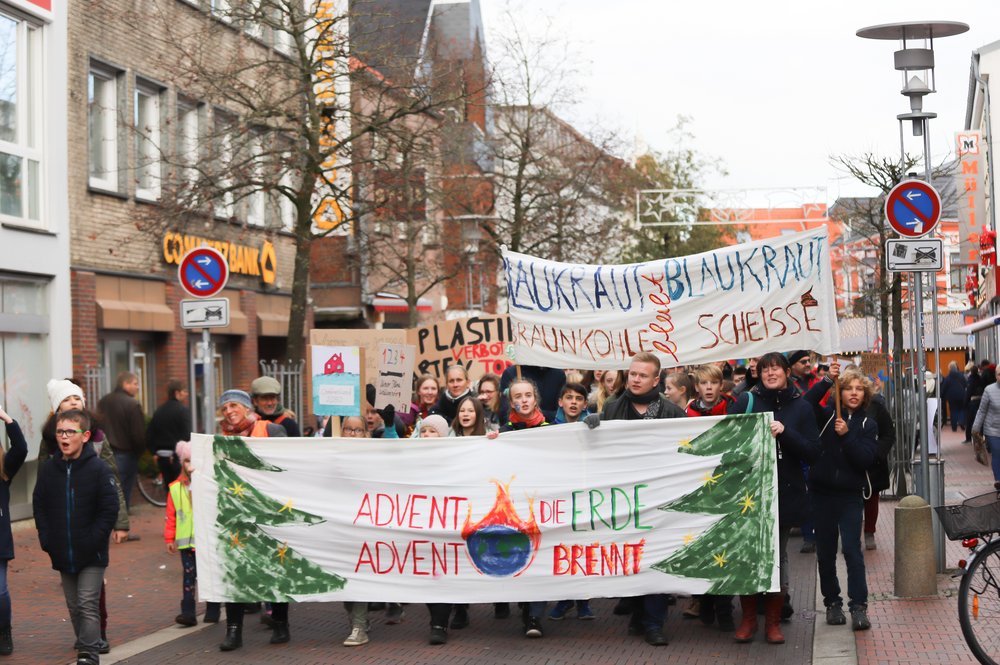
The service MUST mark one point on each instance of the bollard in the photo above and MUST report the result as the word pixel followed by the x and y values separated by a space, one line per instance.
pixel 914 566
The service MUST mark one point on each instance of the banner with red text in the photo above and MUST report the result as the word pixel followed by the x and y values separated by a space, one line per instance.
pixel 628 508
pixel 737 302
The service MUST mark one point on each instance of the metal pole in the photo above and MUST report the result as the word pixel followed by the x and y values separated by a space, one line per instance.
pixel 921 361
pixel 208 381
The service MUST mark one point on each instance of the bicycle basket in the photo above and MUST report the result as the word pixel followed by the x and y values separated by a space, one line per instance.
pixel 972 517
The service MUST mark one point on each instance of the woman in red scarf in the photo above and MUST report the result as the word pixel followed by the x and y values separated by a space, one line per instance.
pixel 239 419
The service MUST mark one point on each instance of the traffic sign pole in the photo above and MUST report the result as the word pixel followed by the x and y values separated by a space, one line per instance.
pixel 208 380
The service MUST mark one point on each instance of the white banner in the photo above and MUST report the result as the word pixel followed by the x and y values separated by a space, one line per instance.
pixel 682 506
pixel 736 302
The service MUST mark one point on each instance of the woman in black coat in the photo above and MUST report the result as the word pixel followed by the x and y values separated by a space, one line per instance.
pixel 953 392
pixel 797 439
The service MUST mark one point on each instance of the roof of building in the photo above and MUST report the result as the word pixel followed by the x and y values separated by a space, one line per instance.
pixel 388 35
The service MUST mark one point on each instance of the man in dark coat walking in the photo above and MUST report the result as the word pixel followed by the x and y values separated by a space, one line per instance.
pixel 171 422
pixel 125 427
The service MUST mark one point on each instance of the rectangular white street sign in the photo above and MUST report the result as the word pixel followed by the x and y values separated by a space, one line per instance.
pixel 914 255
pixel 205 313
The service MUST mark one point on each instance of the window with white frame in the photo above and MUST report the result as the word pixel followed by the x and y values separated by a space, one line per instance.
pixel 102 111
pixel 148 139
pixel 257 200
pixel 225 127
pixel 20 110
pixel 187 145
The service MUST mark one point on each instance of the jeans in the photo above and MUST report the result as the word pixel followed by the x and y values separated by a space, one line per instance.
pixel 993 443
pixel 128 467
pixel 839 517
pixel 956 414
pixel 83 594
pixel 650 611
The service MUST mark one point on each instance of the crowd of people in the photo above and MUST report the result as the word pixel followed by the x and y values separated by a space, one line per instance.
pixel 832 451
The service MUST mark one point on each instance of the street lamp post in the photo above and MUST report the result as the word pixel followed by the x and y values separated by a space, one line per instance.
pixel 915 60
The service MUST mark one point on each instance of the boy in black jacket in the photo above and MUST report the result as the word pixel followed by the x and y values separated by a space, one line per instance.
pixel 76 505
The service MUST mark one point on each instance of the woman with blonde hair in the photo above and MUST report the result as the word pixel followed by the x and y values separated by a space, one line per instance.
pixel 610 386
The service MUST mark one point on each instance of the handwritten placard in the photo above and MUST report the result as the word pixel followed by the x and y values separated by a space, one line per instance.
pixel 336 380
pixel 735 302
pixel 395 375
pixel 478 343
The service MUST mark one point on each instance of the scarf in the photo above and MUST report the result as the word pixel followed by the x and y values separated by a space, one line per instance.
pixel 241 429
pixel 523 422
pixel 644 398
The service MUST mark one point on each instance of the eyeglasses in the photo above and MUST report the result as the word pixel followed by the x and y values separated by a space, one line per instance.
pixel 353 430
pixel 66 433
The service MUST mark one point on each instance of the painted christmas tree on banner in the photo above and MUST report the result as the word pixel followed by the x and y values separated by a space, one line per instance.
pixel 256 566
pixel 737 553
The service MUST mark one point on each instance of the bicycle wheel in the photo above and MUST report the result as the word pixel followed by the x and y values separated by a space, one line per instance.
pixel 979 605
pixel 152 488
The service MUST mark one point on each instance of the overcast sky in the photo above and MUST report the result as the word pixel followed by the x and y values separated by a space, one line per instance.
pixel 773 87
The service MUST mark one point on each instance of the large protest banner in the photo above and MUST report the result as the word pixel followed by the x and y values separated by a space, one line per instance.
pixel 629 508
pixel 736 302
pixel 478 343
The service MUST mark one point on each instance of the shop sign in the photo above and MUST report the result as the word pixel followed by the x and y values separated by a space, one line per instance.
pixel 971 201
pixel 259 262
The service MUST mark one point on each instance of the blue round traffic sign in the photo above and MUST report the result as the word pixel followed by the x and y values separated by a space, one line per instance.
pixel 913 208
pixel 203 272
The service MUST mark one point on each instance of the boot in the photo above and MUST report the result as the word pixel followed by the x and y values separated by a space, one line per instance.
pixel 6 641
pixel 233 639
pixel 280 633
pixel 748 625
pixel 772 618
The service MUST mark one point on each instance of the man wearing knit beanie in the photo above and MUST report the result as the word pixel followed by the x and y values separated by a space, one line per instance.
pixel 801 364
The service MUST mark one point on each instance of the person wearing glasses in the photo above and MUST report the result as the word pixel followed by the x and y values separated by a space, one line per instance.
pixel 75 505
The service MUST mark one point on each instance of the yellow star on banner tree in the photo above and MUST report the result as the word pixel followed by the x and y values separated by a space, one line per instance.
pixel 737 552
pixel 255 565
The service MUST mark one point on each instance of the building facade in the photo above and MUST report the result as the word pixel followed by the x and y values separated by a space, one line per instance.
pixel 34 228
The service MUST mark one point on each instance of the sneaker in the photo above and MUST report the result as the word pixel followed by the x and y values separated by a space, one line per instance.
pixel 835 616
pixel 859 618
pixel 560 610
pixel 357 637
pixel 584 612
pixel 394 614
pixel 808 547
pixel 870 541
pixel 87 659
pixel 438 635
pixel 185 620
pixel 533 628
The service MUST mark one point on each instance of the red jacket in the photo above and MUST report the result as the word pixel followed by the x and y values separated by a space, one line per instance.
pixel 694 408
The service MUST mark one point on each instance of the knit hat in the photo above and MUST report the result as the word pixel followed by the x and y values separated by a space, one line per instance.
pixel 183 450
pixel 60 389
pixel 237 396
pixel 796 356
pixel 265 385
pixel 436 422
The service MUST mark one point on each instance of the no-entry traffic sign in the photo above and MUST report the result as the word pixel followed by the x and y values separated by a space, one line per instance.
pixel 203 272
pixel 913 208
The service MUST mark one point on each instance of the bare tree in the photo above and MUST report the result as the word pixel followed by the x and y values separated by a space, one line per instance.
pixel 281 105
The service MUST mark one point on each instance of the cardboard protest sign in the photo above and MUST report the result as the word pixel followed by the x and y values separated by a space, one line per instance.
pixel 735 302
pixel 366 338
pixel 336 380
pixel 478 343
pixel 394 384
pixel 685 505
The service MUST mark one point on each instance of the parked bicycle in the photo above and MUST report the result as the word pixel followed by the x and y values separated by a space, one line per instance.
pixel 149 480
pixel 976 522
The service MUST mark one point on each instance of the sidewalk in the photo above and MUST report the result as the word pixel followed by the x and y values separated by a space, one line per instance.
pixel 925 630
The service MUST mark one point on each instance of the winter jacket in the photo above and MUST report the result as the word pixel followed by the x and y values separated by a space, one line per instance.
pixel 988 417
pixel 798 443
pixel 696 407
pixel 12 461
pixel 447 406
pixel 549 380
pixel 618 409
pixel 171 422
pixel 844 460
pixel 283 417
pixel 953 386
pixel 123 422
pixel 75 505
pixel 560 418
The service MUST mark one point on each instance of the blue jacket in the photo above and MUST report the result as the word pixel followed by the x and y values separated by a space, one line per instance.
pixel 12 462
pixel 75 506
pixel 843 460
pixel 797 444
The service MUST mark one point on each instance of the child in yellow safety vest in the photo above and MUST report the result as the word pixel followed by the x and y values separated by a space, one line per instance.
pixel 179 534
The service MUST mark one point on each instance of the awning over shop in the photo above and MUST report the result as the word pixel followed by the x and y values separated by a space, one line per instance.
pixel 976 326
pixel 132 304
pixel 272 315
pixel 390 302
